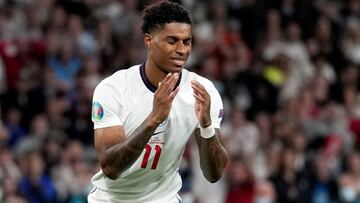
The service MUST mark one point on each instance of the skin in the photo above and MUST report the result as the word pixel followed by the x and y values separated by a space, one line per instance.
pixel 168 48
pixel 164 47
pixel 213 156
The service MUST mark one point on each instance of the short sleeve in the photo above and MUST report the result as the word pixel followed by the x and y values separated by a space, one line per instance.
pixel 216 108
pixel 106 107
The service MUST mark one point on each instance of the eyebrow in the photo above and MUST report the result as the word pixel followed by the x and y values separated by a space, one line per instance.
pixel 176 38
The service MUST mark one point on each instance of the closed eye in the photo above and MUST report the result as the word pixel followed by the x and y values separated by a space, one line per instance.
pixel 188 41
pixel 171 40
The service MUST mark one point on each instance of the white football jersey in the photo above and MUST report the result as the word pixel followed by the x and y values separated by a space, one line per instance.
pixel 126 98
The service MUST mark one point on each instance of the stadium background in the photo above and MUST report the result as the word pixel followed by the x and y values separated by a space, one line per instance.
pixel 287 70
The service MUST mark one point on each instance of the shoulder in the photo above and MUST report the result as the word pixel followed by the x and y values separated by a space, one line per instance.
pixel 208 84
pixel 118 82
pixel 120 78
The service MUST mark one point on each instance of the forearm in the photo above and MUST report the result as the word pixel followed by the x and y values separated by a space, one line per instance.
pixel 213 156
pixel 119 157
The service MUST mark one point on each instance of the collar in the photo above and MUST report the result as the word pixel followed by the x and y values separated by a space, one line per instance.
pixel 147 82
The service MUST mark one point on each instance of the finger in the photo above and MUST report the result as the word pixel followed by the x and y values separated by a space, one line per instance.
pixel 174 93
pixel 167 78
pixel 163 84
pixel 199 91
pixel 195 88
pixel 197 84
pixel 199 98
pixel 172 83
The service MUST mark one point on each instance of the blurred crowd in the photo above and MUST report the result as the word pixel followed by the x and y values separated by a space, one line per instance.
pixel 287 70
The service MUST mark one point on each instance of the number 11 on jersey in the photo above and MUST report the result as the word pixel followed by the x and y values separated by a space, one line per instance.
pixel 148 149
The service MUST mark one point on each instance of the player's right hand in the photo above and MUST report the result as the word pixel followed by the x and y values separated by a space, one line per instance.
pixel 163 98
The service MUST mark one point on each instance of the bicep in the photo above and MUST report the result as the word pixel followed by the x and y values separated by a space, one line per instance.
pixel 109 136
pixel 104 139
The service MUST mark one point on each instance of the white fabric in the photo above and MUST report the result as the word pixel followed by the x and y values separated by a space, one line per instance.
pixel 100 196
pixel 207 132
pixel 126 100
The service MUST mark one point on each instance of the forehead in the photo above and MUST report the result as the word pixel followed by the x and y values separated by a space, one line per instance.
pixel 179 30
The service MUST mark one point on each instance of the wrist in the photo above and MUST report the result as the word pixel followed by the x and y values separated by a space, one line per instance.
pixel 208 124
pixel 152 122
pixel 207 132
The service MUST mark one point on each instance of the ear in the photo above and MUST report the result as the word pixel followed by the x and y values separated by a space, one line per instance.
pixel 147 40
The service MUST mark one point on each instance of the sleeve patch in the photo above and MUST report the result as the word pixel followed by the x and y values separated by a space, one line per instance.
pixel 97 111
pixel 221 113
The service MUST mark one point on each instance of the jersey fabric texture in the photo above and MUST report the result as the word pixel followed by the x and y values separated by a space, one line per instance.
pixel 100 196
pixel 126 98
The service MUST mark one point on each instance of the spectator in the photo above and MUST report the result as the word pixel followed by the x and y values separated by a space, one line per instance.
pixel 264 192
pixel 34 185
pixel 14 127
pixel 348 192
pixel 66 63
pixel 323 185
pixel 287 181
pixel 241 182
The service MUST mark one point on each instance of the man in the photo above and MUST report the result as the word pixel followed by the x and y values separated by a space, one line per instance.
pixel 143 116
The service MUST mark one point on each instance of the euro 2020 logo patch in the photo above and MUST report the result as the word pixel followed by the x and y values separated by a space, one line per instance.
pixel 97 111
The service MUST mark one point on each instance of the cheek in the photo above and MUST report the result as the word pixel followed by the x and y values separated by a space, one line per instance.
pixel 163 54
pixel 189 50
pixel 160 56
pixel 161 50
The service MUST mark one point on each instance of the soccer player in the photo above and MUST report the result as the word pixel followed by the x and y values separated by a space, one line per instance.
pixel 143 116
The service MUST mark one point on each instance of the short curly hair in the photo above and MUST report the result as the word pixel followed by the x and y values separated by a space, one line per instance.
pixel 157 15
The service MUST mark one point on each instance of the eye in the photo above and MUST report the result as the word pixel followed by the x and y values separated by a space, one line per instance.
pixel 171 40
pixel 187 42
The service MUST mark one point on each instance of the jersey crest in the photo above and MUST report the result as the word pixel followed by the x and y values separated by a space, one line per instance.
pixel 97 111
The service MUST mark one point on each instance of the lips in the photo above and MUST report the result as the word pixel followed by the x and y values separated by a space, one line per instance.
pixel 179 61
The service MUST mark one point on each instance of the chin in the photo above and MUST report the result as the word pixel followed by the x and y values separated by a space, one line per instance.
pixel 174 69
pixel 177 69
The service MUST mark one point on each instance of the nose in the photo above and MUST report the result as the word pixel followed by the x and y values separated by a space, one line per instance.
pixel 181 48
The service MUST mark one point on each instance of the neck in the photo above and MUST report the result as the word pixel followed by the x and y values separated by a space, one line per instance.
pixel 153 73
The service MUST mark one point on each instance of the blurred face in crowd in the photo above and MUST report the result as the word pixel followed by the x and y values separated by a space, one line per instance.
pixel 322 167
pixel 354 163
pixel 40 125
pixel 347 190
pixel 58 17
pixel 323 29
pixel 299 142
pixel 9 186
pixel 67 49
pixel 264 192
pixel 294 32
pixel 288 159
pixel 239 172
pixel 35 166
pixel 75 25
pixel 169 47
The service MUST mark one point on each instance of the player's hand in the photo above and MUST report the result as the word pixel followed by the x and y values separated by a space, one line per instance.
pixel 202 104
pixel 163 98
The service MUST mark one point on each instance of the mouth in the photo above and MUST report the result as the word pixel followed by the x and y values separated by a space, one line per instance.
pixel 179 61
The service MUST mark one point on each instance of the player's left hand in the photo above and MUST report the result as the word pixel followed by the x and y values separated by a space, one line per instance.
pixel 202 104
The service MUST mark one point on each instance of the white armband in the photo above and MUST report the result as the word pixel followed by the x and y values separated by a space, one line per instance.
pixel 207 132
